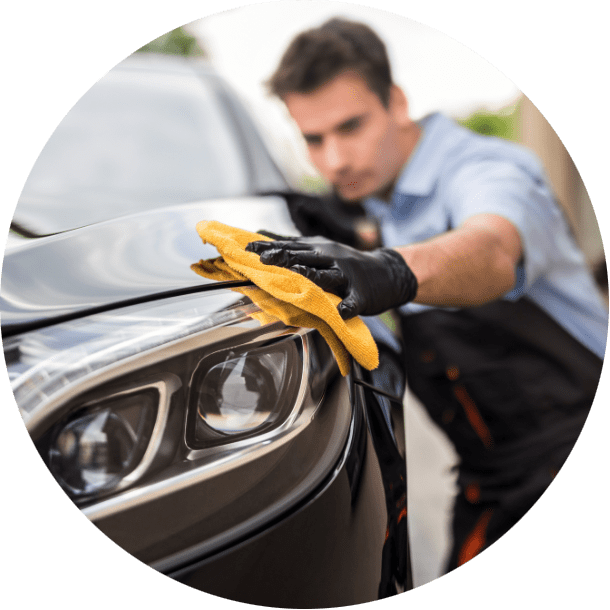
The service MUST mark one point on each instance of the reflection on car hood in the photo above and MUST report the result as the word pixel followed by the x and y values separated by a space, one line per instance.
pixel 122 259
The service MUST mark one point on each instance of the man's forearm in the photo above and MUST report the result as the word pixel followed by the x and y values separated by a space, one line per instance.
pixel 468 266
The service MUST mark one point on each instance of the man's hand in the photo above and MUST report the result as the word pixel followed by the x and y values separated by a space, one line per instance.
pixel 368 282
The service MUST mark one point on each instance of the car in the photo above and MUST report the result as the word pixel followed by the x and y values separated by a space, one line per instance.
pixel 226 453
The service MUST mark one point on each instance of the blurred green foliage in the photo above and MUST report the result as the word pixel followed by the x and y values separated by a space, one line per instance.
pixel 503 124
pixel 313 184
pixel 176 42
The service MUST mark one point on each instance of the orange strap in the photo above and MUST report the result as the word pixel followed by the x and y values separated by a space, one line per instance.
pixel 475 541
pixel 473 415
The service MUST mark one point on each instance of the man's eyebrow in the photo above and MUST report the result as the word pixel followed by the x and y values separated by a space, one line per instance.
pixel 348 125
pixel 351 123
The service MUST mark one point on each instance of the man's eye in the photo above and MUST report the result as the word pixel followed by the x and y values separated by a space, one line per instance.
pixel 350 125
pixel 312 140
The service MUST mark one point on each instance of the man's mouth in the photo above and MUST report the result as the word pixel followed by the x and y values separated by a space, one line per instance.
pixel 351 190
pixel 350 182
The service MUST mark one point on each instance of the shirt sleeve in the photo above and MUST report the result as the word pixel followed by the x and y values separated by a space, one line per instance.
pixel 523 197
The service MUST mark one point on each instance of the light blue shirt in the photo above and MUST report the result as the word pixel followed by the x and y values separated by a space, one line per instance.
pixel 454 174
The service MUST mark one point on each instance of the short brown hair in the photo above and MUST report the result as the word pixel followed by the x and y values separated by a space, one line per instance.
pixel 318 55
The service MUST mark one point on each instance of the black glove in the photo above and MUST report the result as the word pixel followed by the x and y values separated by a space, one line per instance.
pixel 330 217
pixel 368 282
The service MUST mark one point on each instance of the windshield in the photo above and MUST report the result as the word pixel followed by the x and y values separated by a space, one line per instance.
pixel 136 140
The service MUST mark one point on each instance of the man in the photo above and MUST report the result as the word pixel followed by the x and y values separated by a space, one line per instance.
pixel 504 329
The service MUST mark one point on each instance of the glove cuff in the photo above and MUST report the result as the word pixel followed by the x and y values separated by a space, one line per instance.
pixel 403 278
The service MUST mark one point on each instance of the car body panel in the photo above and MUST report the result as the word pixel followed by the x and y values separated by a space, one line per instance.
pixel 134 256
pixel 327 554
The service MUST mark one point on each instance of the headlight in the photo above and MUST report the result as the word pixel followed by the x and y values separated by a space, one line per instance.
pixel 116 397
pixel 45 365
pixel 96 449
pixel 238 394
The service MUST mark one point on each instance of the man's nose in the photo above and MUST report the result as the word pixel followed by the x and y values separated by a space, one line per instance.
pixel 335 156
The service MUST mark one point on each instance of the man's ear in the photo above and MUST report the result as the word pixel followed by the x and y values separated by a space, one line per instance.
pixel 399 105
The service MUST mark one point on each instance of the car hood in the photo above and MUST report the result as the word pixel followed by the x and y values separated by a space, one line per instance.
pixel 48 278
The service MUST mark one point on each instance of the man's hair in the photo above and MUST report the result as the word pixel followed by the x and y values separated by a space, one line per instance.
pixel 318 55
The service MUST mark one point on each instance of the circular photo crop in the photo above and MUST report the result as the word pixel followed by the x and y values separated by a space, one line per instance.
pixel 304 305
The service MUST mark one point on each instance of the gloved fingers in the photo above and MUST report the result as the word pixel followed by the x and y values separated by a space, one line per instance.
pixel 349 307
pixel 258 247
pixel 276 236
pixel 330 280
pixel 288 258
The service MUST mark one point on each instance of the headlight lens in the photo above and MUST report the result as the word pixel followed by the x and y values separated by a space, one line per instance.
pixel 94 450
pixel 245 393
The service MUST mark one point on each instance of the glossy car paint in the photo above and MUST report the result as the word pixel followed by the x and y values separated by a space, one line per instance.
pixel 117 260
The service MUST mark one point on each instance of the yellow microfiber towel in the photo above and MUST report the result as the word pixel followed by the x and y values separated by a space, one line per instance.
pixel 285 295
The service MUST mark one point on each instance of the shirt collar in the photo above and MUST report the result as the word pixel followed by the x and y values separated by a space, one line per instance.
pixel 421 170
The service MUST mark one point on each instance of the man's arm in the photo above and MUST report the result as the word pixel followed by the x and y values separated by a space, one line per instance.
pixel 467 266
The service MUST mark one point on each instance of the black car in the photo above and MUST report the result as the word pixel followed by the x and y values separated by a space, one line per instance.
pixel 231 456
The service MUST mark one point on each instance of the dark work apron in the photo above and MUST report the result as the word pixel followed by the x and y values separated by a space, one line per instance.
pixel 511 389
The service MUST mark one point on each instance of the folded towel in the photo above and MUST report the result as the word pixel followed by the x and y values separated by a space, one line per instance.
pixel 285 295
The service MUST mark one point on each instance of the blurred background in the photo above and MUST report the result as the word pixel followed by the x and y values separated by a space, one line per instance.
pixel 436 72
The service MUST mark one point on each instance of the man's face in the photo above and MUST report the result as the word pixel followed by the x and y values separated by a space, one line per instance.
pixel 356 143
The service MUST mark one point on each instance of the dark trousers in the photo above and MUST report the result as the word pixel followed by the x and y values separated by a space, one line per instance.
pixel 484 512
pixel 511 389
